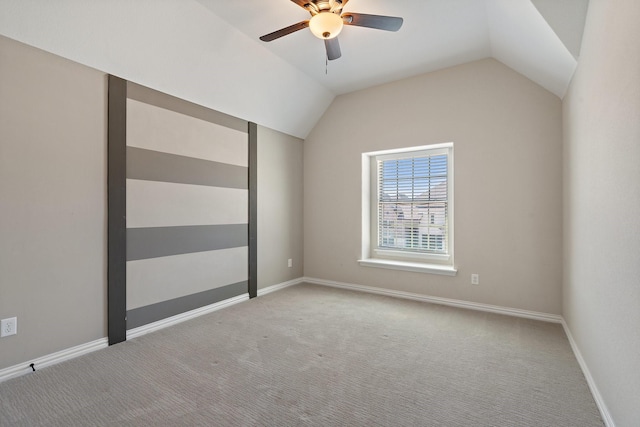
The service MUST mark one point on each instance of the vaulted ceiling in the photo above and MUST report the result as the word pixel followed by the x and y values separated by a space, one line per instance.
pixel 208 51
pixel 436 34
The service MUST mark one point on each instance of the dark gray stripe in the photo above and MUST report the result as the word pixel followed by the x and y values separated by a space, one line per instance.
pixel 161 310
pixel 168 102
pixel 154 242
pixel 152 165
pixel 116 211
pixel 253 210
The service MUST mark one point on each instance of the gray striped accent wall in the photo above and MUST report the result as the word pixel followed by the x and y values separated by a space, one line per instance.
pixel 149 165
pixel 187 206
pixel 154 242
pixel 161 310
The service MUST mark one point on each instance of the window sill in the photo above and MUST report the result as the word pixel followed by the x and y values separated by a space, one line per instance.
pixel 418 267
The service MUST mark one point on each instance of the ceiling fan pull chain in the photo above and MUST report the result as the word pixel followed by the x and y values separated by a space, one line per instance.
pixel 326 65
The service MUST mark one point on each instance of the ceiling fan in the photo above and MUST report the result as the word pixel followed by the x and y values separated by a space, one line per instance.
pixel 327 21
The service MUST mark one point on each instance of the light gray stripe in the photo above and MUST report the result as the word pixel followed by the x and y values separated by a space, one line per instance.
pixel 154 242
pixel 152 165
pixel 168 102
pixel 161 310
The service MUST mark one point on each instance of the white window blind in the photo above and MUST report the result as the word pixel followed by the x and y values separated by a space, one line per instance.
pixel 413 202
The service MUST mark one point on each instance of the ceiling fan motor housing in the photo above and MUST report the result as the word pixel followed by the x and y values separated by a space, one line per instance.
pixel 317 6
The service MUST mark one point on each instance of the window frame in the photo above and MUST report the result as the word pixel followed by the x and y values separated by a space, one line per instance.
pixel 410 260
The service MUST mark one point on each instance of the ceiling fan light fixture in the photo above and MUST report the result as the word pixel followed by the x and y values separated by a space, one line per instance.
pixel 326 25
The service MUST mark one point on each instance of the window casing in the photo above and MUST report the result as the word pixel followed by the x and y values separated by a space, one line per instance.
pixel 408 207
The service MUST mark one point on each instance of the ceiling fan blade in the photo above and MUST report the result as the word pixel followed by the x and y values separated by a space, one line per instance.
pixel 333 48
pixel 284 31
pixel 388 23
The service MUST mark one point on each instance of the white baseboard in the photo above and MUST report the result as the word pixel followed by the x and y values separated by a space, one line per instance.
pixel 602 407
pixel 546 317
pixel 52 359
pixel 173 320
pixel 70 353
pixel 279 286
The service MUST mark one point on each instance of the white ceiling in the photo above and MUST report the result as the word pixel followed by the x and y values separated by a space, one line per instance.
pixel 208 51
pixel 436 34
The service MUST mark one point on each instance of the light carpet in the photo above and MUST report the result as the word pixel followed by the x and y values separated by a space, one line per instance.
pixel 311 355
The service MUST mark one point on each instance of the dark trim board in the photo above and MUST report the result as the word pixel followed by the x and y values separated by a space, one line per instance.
pixel 117 211
pixel 253 210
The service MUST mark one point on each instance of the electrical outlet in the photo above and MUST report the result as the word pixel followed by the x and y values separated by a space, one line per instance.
pixel 8 327
pixel 290 263
pixel 475 279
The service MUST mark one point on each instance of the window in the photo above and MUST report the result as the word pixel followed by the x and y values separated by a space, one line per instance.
pixel 408 209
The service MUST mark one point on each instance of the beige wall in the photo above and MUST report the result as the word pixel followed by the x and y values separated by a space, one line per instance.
pixel 602 205
pixel 279 207
pixel 507 133
pixel 52 202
